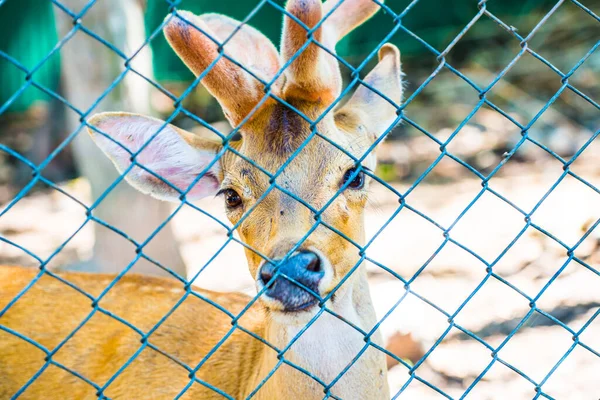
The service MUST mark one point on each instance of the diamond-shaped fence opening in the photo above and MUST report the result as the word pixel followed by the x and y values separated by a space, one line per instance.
pixel 477 233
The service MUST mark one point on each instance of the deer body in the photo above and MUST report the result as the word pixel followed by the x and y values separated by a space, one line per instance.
pixel 298 207
pixel 48 313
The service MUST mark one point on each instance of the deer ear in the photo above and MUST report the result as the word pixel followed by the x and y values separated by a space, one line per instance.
pixel 174 155
pixel 367 110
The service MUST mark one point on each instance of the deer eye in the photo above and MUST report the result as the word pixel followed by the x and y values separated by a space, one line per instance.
pixel 358 182
pixel 232 199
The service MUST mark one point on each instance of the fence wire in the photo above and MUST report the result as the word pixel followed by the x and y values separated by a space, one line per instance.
pixel 480 11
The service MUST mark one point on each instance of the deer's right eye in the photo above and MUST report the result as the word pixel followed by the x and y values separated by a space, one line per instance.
pixel 232 199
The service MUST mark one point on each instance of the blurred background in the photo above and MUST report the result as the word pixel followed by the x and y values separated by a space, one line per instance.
pixel 62 62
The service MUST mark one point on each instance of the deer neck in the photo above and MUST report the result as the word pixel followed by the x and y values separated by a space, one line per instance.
pixel 325 349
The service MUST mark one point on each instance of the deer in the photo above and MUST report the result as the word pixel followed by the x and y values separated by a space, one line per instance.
pixel 137 336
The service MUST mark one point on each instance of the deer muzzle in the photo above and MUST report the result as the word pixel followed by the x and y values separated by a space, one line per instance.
pixel 293 283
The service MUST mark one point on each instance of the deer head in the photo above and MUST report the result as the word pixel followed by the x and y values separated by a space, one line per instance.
pixel 273 215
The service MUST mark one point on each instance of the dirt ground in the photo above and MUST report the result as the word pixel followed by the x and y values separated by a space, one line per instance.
pixel 455 280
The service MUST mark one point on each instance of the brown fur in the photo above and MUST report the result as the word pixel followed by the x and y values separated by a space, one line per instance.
pixel 49 311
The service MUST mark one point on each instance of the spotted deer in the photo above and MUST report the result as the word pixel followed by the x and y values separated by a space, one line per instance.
pixel 130 343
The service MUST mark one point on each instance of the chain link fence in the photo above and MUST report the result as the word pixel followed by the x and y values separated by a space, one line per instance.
pixel 481 11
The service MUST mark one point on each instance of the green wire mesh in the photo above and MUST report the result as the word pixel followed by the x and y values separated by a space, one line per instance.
pixel 479 11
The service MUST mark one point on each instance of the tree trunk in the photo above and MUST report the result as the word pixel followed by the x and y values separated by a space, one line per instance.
pixel 89 69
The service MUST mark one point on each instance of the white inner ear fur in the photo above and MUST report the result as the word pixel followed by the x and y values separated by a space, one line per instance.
pixel 168 155
pixel 376 113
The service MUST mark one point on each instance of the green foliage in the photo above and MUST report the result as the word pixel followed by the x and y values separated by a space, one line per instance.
pixel 28 36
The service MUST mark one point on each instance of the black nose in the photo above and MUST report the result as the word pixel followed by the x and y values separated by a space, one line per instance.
pixel 302 269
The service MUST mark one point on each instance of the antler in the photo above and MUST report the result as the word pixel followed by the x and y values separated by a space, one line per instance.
pixel 199 45
pixel 314 75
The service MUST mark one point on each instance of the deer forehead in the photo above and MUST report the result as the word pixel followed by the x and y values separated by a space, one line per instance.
pixel 299 157
pixel 314 167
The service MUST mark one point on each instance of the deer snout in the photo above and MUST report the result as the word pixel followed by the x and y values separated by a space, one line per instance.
pixel 284 281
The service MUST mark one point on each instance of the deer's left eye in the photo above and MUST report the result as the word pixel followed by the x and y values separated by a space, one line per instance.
pixel 358 180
